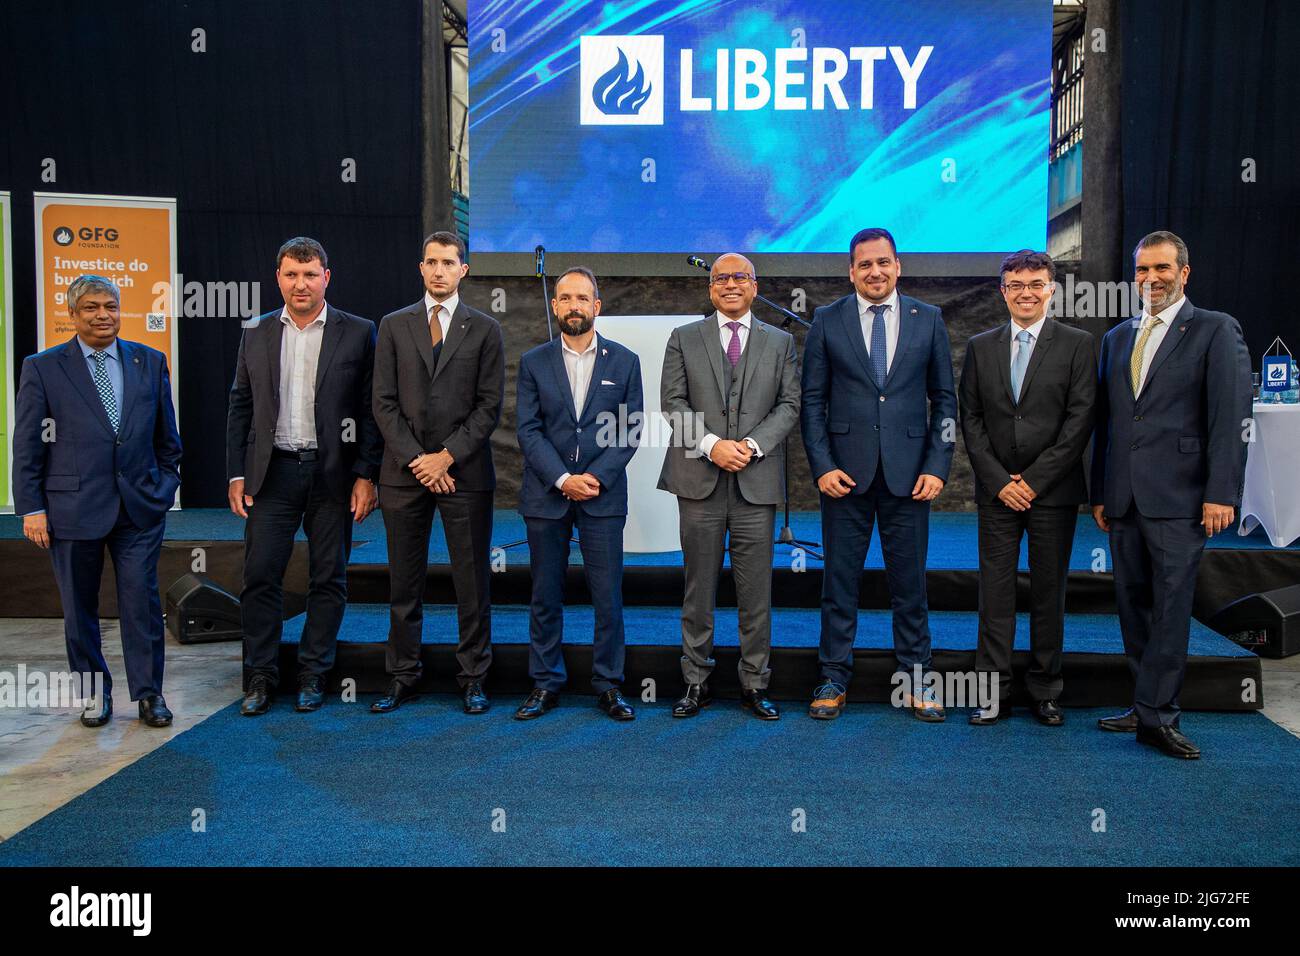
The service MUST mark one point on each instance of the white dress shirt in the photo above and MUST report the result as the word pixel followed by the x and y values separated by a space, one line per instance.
pixel 1034 331
pixel 867 317
pixel 724 337
pixel 295 428
pixel 1166 318
pixel 578 366
pixel 446 309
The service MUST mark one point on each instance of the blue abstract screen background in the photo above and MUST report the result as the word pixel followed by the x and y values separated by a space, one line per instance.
pixel 964 171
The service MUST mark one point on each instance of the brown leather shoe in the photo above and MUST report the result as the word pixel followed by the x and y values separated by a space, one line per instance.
pixel 828 701
pixel 925 706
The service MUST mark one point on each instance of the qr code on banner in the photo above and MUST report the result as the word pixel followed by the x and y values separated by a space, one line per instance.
pixel 155 322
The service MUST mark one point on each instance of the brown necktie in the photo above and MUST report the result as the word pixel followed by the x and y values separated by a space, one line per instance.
pixel 435 325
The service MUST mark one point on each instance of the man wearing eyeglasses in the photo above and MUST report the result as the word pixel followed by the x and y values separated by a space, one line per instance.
pixel 1028 394
pixel 879 424
pixel 730 390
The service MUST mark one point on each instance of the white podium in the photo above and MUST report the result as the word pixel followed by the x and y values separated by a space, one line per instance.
pixel 651 513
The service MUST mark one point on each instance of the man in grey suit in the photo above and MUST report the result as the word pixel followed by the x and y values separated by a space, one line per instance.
pixel 730 391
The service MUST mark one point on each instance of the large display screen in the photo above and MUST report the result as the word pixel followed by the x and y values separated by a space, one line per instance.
pixel 779 127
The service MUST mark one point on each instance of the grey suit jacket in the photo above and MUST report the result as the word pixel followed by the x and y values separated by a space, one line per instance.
pixel 456 406
pixel 693 401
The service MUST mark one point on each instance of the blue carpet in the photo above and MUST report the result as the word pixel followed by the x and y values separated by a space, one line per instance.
pixel 953 539
pixel 346 787
pixel 791 627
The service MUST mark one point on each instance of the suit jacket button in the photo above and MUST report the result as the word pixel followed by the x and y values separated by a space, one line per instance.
pixel 876 427
pixel 1133 447
pixel 579 431
pixel 882 398
pixel 1137 418
pixel 1017 418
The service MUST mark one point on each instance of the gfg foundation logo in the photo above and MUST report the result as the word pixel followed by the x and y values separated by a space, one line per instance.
pixel 622 80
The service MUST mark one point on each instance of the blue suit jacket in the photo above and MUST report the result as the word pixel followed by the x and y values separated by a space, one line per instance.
pixel 86 474
pixel 554 440
pixel 1180 443
pixel 850 423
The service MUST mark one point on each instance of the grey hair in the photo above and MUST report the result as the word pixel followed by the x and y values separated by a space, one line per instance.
pixel 1162 237
pixel 84 285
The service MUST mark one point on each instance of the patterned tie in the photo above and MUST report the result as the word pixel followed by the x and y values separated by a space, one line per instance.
pixel 1020 363
pixel 105 388
pixel 733 347
pixel 435 325
pixel 879 351
pixel 1135 361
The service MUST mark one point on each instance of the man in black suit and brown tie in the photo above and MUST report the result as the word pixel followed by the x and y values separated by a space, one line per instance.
pixel 1169 460
pixel 302 450
pixel 439 381
pixel 1028 393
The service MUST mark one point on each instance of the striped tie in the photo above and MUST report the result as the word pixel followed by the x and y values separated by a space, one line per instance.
pixel 1135 361
pixel 105 388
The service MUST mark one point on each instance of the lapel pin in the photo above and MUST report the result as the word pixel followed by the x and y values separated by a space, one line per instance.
pixel 914 311
pixel 604 351
pixel 1182 328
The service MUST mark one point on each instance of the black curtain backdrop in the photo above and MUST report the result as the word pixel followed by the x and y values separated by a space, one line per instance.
pixel 1207 85
pixel 249 136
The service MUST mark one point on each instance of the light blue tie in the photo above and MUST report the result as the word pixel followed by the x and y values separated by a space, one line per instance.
pixel 879 351
pixel 1020 363
pixel 105 388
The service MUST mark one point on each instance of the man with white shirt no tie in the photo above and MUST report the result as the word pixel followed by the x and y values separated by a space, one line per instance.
pixel 439 381
pixel 570 391
pixel 302 450
pixel 1028 393
pixel 730 390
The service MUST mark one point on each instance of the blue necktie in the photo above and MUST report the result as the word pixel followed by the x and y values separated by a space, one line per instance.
pixel 879 351
pixel 1020 362
pixel 105 388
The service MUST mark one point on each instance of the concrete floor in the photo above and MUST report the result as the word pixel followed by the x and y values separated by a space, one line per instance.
pixel 47 758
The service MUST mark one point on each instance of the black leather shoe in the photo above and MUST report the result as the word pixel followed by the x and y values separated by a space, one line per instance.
pixel 537 703
pixel 989 715
pixel 613 704
pixel 696 698
pixel 98 711
pixel 311 694
pixel 257 699
pixel 398 694
pixel 756 702
pixel 476 701
pixel 1168 740
pixel 1048 712
pixel 1125 723
pixel 154 712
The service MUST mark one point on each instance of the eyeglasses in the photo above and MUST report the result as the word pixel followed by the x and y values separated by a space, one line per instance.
pixel 722 278
pixel 1015 287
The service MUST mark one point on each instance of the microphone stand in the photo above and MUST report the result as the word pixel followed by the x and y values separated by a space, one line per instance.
pixel 786 535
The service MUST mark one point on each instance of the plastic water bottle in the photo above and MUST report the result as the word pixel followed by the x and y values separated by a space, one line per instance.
pixel 1292 395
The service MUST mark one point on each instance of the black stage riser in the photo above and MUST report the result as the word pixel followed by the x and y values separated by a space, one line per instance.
pixel 1091 680
pixel 662 586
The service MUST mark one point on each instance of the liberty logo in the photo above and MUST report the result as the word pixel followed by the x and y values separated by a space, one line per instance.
pixel 617 93
pixel 63 236
pixel 621 81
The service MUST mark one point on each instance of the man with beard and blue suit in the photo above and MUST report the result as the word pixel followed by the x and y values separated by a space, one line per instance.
pixel 871 361
pixel 575 475
pixel 1169 461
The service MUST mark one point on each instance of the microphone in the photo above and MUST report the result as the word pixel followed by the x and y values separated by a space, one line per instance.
pixel 540 261
pixel 697 262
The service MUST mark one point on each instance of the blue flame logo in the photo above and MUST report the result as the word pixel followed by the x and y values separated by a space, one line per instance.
pixel 620 92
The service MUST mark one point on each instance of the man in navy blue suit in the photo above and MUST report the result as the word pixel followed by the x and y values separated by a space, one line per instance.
pixel 871 361
pixel 570 392
pixel 1169 460
pixel 97 464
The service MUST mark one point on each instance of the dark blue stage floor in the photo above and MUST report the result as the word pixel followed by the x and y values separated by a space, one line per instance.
pixel 423 786
pixel 791 627
pixel 953 539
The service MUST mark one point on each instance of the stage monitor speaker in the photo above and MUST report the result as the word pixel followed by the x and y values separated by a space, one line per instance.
pixel 200 611
pixel 1267 623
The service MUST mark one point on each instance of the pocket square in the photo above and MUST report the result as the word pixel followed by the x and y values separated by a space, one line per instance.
pixel 605 381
